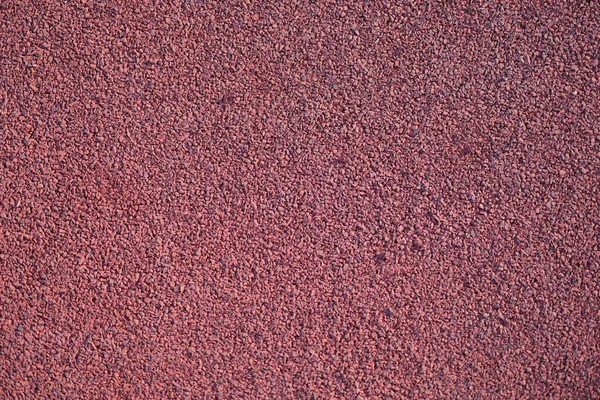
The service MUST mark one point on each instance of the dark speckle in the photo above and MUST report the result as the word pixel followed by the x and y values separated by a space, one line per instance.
pixel 380 257
pixel 466 151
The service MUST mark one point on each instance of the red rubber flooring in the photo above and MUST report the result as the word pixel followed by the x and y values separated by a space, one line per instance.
pixel 299 200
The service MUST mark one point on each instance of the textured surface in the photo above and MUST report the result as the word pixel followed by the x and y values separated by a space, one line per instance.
pixel 304 200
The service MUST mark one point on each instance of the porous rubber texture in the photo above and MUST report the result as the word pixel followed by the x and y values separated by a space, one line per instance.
pixel 299 199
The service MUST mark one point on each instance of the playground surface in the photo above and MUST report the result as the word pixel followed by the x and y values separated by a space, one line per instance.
pixel 299 200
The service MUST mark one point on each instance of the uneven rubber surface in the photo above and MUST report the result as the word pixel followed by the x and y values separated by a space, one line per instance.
pixel 301 200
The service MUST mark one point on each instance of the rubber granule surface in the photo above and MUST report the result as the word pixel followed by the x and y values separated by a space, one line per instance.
pixel 299 200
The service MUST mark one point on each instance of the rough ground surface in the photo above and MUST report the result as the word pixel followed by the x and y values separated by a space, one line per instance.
pixel 306 200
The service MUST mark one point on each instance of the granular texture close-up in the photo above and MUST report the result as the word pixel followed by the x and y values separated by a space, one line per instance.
pixel 299 200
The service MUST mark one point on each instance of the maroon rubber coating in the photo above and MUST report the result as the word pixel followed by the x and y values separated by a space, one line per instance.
pixel 299 199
